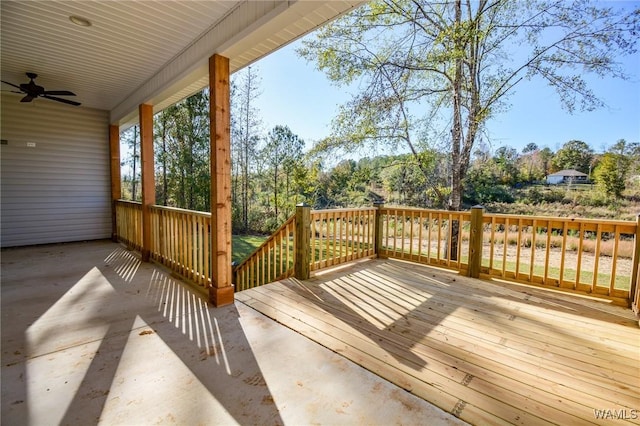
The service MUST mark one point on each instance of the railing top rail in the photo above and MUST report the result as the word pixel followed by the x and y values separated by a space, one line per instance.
pixel 561 219
pixel 276 232
pixel 363 209
pixel 418 209
pixel 135 203
pixel 184 211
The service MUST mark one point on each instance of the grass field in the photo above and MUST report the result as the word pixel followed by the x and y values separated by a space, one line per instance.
pixel 244 245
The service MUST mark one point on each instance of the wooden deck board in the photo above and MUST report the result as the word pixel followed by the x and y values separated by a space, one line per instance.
pixel 489 353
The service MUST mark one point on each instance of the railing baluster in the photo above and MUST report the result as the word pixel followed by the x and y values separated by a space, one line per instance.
pixel 492 239
pixel 320 245
pixel 314 241
pixel 532 260
pixel 332 249
pixel 564 250
pixel 579 261
pixel 449 239
pixel 596 263
pixel 420 225
pixel 439 224
pixel 614 259
pixel 518 246
pixel 547 252
pixel 430 224
pixel 459 237
pixel 411 219
pixel 349 235
pixel 505 243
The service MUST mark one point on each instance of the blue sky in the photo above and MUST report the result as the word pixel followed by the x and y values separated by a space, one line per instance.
pixel 294 93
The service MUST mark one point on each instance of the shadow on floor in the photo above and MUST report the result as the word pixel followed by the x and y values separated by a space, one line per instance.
pixel 95 335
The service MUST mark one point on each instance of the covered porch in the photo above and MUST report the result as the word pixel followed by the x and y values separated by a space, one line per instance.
pixel 122 62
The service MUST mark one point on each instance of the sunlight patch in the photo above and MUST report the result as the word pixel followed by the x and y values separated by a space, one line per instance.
pixel 76 317
pixel 70 332
pixel 152 373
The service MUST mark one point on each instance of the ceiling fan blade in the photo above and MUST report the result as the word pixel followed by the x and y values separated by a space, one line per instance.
pixel 59 93
pixel 11 84
pixel 27 98
pixel 66 101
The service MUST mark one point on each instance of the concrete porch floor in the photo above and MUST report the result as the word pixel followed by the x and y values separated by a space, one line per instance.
pixel 92 335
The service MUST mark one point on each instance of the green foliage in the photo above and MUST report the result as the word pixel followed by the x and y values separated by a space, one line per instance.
pixel 283 156
pixel 575 155
pixel 481 188
pixel 610 175
pixel 506 160
pixel 449 62
pixel 131 159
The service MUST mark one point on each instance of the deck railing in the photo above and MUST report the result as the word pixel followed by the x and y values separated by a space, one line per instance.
pixel 339 236
pixel 272 261
pixel 433 237
pixel 598 257
pixel 586 255
pixel 129 223
pixel 592 256
pixel 181 240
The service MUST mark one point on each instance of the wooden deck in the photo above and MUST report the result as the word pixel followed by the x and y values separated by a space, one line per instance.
pixel 490 353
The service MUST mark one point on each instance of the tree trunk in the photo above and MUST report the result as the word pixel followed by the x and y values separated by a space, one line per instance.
pixel 456 136
pixel 245 189
pixel 165 182
pixel 135 156
pixel 275 190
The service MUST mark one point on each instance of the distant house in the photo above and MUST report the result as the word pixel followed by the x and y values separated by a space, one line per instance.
pixel 567 176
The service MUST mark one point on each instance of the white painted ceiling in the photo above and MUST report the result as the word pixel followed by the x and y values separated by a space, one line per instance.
pixel 144 51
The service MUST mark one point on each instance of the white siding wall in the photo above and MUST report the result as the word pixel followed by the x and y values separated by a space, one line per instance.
pixel 59 189
pixel 554 180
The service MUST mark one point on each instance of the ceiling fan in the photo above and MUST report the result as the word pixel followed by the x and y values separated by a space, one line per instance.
pixel 32 91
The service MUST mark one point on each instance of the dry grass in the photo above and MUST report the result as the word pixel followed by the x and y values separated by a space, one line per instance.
pixel 623 211
pixel 625 247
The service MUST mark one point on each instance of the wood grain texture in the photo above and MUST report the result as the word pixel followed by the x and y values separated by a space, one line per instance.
pixel 148 175
pixel 490 353
pixel 220 137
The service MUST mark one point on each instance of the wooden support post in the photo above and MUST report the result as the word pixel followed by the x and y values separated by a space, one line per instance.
pixel 148 176
pixel 475 242
pixel 378 227
pixel 221 291
pixel 634 293
pixel 116 187
pixel 303 236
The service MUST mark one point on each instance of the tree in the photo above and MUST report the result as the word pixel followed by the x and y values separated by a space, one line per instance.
pixel 451 59
pixel 132 141
pixel 184 153
pixel 611 173
pixel 575 155
pixel 281 152
pixel 530 151
pixel 246 135
pixel 506 159
pixel 162 128
pixel 546 155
